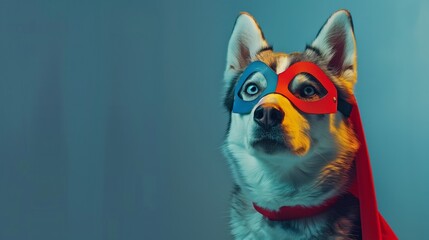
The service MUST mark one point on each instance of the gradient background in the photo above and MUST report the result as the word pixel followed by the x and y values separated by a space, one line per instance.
pixel 111 121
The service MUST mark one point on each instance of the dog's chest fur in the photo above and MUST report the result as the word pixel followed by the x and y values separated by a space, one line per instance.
pixel 341 222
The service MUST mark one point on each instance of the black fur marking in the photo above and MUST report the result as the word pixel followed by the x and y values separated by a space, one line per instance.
pixel 344 107
pixel 348 208
pixel 273 66
pixel 267 48
pixel 228 100
pixel 314 49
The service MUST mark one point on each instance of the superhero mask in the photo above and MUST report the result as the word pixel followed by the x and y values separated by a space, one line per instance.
pixel 280 84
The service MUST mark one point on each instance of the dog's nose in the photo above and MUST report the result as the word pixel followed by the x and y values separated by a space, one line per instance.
pixel 268 116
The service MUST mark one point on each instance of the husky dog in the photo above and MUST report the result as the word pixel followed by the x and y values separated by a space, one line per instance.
pixel 281 156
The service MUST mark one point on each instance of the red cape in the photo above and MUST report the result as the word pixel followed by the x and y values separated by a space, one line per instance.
pixel 374 227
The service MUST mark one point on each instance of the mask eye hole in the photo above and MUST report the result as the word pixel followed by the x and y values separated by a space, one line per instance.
pixel 253 87
pixel 307 87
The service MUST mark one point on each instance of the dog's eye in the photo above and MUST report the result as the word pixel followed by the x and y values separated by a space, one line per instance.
pixel 308 91
pixel 252 89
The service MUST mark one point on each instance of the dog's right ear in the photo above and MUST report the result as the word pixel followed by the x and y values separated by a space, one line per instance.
pixel 245 42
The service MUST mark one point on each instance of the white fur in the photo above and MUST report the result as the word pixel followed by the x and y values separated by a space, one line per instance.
pixel 282 64
pixel 246 34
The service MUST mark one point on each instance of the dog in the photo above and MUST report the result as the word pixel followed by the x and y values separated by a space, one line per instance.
pixel 280 155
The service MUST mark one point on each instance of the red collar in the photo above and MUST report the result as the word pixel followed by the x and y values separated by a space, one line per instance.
pixel 295 212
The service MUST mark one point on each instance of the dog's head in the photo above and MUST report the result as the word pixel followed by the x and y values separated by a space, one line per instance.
pixel 276 149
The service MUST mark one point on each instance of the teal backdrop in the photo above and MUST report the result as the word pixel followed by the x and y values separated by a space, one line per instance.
pixel 111 119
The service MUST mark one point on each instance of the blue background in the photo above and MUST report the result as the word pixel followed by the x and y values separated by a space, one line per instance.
pixel 111 119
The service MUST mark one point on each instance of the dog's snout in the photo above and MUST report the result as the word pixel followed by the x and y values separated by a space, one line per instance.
pixel 268 116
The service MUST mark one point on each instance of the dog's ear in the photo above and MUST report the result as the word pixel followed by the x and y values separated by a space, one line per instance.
pixel 245 42
pixel 336 43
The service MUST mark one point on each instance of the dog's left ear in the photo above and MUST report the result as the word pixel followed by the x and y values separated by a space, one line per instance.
pixel 336 42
